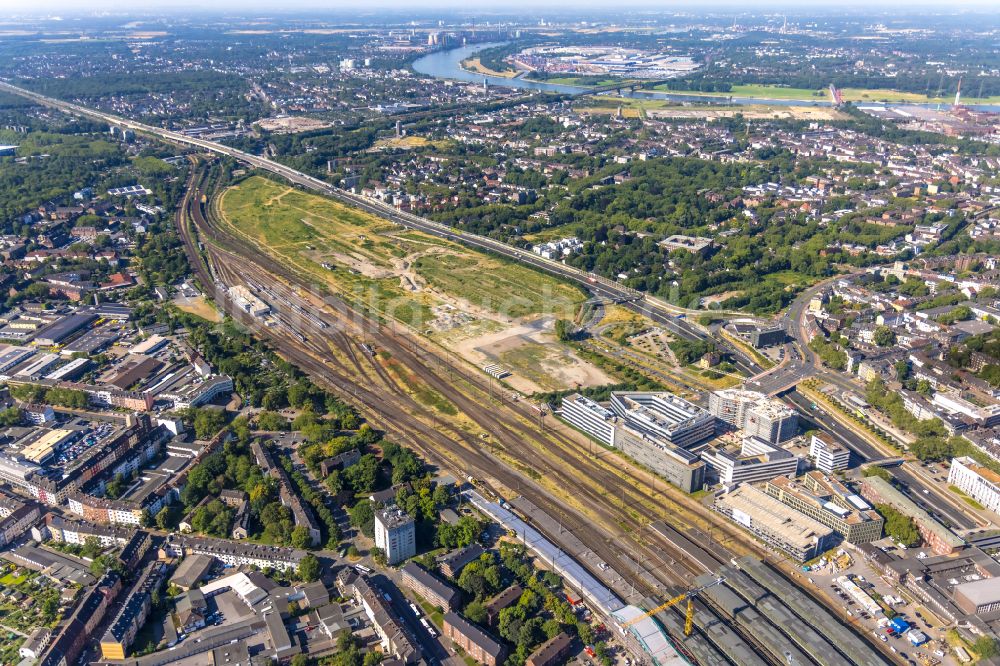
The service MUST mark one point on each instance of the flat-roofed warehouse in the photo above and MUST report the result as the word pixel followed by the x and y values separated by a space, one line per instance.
pixel 58 331
pixel 979 597
pixel 192 571
pixel 40 450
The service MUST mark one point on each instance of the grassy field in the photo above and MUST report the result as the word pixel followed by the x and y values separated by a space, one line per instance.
pixel 200 307
pixel 849 94
pixel 410 142
pixel 506 289
pixel 399 273
pixel 664 108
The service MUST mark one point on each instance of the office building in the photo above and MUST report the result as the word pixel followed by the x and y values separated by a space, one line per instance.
pixel 395 534
pixel 827 455
pixel 664 416
pixel 639 433
pixel 754 413
pixel 598 422
pixel 678 466
pixel 774 523
pixel 829 502
pixel 976 481
pixel 758 460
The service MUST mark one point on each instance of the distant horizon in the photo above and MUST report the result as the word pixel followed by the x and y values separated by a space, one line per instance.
pixel 108 8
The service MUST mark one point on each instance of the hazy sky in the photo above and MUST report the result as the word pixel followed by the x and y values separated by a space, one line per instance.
pixel 83 7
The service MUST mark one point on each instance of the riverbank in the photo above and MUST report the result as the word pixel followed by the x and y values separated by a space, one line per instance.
pixel 476 66
pixel 450 64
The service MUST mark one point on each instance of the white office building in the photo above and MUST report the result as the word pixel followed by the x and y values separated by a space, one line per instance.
pixel 827 454
pixel 754 413
pixel 979 483
pixel 758 460
pixel 590 417
pixel 395 534
pixel 665 416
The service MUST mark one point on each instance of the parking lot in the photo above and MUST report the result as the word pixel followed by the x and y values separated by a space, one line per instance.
pixel 935 649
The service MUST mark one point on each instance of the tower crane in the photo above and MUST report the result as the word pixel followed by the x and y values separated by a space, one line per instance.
pixel 688 596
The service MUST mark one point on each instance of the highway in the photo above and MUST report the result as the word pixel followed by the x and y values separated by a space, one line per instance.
pixel 657 310
pixel 925 496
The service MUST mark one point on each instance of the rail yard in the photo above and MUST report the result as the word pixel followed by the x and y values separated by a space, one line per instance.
pixel 509 447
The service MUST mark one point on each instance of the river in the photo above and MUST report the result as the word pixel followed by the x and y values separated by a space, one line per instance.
pixel 448 65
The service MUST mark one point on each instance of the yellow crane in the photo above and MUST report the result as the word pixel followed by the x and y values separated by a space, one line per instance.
pixel 684 596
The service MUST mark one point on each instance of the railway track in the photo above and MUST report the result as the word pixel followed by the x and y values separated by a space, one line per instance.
pixel 390 405
pixel 363 379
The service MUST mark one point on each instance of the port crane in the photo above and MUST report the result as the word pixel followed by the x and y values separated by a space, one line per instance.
pixel 688 596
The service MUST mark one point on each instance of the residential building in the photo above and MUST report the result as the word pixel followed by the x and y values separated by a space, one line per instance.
pixel 552 652
pixel 476 642
pixel 439 593
pixel 191 610
pixel 452 562
pixel 236 554
pixel 132 614
pixel 395 534
pixel 504 599
pixel 394 637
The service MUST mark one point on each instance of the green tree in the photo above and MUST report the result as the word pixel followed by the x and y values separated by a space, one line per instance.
pixel 271 421
pixel 363 518
pixel 899 526
pixel 300 537
pixel 10 417
pixel 564 330
pixel 986 647
pixel 884 336
pixel 880 472
pixel 476 612
pixel 309 568
pixel 208 422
